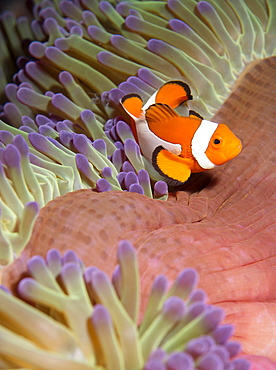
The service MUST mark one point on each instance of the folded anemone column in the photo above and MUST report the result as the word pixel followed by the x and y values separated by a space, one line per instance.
pixel 83 319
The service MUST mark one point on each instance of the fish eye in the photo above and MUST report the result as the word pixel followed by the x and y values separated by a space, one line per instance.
pixel 216 141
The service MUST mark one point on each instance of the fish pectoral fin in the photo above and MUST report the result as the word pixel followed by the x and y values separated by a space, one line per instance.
pixel 193 114
pixel 158 112
pixel 132 104
pixel 173 93
pixel 175 169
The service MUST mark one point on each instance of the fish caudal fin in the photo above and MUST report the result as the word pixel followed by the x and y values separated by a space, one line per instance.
pixel 172 93
pixel 175 169
pixel 132 104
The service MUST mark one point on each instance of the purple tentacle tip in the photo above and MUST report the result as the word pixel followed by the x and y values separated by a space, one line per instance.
pixel 187 279
pixel 222 333
pixel 160 188
pixel 117 40
pixel 65 77
pixel 34 263
pixel 21 145
pixel 39 141
pixel 103 185
pixel 104 6
pixel 125 248
pixel 40 120
pixel 213 318
pixel 70 256
pixel 241 364
pixel 121 177
pixel 143 176
pixel 155 365
pixel 233 348
pixel 174 307
pixel 66 137
pixel 26 129
pixel 180 27
pixel 115 95
pixel 134 23
pixel 123 130
pixel 136 188
pixel 80 142
pixel 95 32
pixel 210 362
pixel 180 360
pixel 105 57
pixel 100 145
pixel 160 284
pixel 127 167
pixel 204 7
pixel 200 346
pixel 195 309
pixel 11 156
pixel 118 157
pixel 6 137
pixel 76 30
pixel 130 178
pixel 82 162
pixel 33 206
pixel 37 49
pixel 86 115
pixel 60 101
pixel 100 314
pixel 157 46
pixel 197 295
pixel 107 172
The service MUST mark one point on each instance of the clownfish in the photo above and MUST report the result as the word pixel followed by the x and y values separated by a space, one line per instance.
pixel 176 145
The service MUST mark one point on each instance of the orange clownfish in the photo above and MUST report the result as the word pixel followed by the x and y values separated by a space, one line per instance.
pixel 176 145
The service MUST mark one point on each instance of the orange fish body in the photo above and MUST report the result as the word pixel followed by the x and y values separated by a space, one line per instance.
pixel 176 145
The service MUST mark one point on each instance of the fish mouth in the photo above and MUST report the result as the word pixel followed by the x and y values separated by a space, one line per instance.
pixel 234 151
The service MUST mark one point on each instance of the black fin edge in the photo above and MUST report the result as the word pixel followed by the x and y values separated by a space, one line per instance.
pixel 194 113
pixel 133 95
pixel 185 86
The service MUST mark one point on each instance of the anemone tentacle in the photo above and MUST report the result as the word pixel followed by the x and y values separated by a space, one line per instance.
pixel 81 319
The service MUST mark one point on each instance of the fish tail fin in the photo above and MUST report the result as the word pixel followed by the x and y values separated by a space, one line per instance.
pixel 172 93
pixel 132 104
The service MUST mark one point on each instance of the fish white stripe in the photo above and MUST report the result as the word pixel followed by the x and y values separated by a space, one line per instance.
pixel 201 141
pixel 144 133
pixel 150 101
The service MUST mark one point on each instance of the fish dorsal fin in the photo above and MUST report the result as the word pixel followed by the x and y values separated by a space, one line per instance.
pixel 159 112
pixel 132 104
pixel 172 93
pixel 193 114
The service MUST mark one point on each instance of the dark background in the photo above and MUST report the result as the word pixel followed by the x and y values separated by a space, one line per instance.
pixel 17 6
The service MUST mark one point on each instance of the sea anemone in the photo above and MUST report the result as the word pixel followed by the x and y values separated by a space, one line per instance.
pixel 60 124
pixel 81 319
pixel 62 134
pixel 222 224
